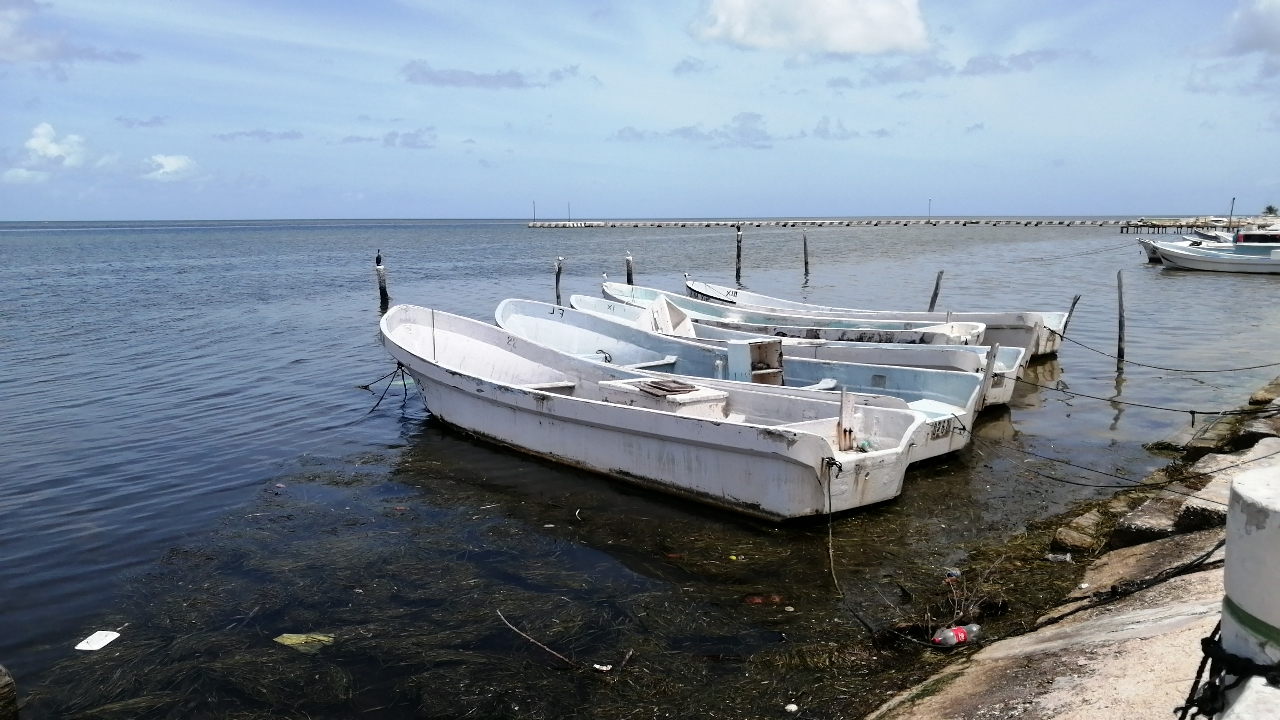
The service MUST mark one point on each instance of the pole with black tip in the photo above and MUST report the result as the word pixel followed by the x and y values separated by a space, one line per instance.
pixel 737 272
pixel 937 288
pixel 382 282
pixel 806 253
pixel 559 267
pixel 631 279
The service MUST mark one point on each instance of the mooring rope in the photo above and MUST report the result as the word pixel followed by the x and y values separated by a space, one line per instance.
pixel 1192 412
pixel 1128 245
pixel 1159 367
pixel 398 371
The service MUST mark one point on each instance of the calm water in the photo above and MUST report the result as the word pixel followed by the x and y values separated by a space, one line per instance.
pixel 158 378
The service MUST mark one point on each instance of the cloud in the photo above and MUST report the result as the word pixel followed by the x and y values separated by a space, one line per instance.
pixel 816 26
pixel 909 95
pixel 261 135
pixel 840 83
pixel 419 72
pixel 692 66
pixel 155 121
pixel 744 130
pixel 351 139
pixel 630 134
pixel 45 146
pixel 1021 62
pixel 824 131
pixel 23 176
pixel 881 133
pixel 21 43
pixel 976 127
pixel 908 71
pixel 171 168
pixel 1249 53
pixel 420 139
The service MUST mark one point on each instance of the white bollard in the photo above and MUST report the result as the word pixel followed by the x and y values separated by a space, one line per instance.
pixel 1251 608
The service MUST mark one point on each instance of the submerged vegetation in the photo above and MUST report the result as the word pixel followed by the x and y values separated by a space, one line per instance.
pixel 620 605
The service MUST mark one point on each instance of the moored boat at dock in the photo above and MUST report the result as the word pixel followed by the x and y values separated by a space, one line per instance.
pixel 768 455
pixel 803 326
pixel 948 399
pixel 1008 329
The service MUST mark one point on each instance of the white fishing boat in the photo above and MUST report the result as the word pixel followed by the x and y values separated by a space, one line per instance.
pixel 803 326
pixel 1235 261
pixel 949 399
pixel 1203 239
pixel 768 455
pixel 1009 362
pixel 1038 332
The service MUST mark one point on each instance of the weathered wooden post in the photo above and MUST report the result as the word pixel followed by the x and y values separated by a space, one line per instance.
pixel 1070 311
pixel 737 272
pixel 1120 334
pixel 937 288
pixel 559 267
pixel 806 253
pixel 382 281
pixel 631 280
pixel 8 696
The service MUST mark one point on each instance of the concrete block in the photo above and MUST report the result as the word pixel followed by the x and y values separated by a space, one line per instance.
pixel 1154 519
pixel 1140 562
pixel 1208 507
pixel 1268 393
pixel 1262 426
pixel 1073 541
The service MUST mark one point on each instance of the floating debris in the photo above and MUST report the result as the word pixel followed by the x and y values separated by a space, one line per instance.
pixel 309 643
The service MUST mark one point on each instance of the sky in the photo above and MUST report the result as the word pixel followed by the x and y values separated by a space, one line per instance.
pixel 176 109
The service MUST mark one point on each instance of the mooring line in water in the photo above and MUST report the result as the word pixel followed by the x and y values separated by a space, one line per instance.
pixel 1189 411
pixel 1128 245
pixel 1158 367
pixel 399 369
pixel 1132 484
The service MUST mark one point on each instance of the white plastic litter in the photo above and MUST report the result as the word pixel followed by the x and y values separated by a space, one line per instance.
pixel 98 640
pixel 792 707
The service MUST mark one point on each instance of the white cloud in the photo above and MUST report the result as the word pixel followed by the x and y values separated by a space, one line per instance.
pixel 20 41
pixel 816 26
pixel 23 176
pixel 1255 27
pixel 44 145
pixel 169 168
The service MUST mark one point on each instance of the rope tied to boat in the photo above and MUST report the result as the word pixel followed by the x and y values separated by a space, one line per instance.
pixel 1209 698
pixel 1262 411
pixel 830 463
pixel 1158 367
pixel 399 371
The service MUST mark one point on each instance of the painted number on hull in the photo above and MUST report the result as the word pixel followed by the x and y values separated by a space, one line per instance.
pixel 939 429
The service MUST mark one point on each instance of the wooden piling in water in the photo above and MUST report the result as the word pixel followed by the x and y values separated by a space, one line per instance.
pixel 737 272
pixel 806 253
pixel 631 280
pixel 1070 311
pixel 937 288
pixel 559 267
pixel 8 696
pixel 1120 328
pixel 381 272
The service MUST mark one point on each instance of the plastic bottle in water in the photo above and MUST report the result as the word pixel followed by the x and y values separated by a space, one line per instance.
pixel 957 635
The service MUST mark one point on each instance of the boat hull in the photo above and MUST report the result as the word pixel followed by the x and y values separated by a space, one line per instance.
pixel 1210 261
pixel 775 472
pixel 1037 333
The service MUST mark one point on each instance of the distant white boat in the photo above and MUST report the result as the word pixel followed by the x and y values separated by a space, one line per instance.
pixel 768 455
pixel 949 399
pixel 1008 367
pixel 1237 261
pixel 803 326
pixel 1040 333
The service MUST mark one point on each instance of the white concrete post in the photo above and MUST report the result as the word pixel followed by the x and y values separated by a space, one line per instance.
pixel 1251 608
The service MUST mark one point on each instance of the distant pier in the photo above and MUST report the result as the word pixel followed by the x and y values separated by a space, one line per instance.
pixel 1152 226
pixel 813 223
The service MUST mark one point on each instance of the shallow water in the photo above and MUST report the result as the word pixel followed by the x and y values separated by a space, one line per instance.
pixel 161 379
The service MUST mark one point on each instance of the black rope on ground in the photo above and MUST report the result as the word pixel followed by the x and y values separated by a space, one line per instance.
pixel 1125 589
pixel 1158 367
pixel 1210 698
pixel 1223 413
